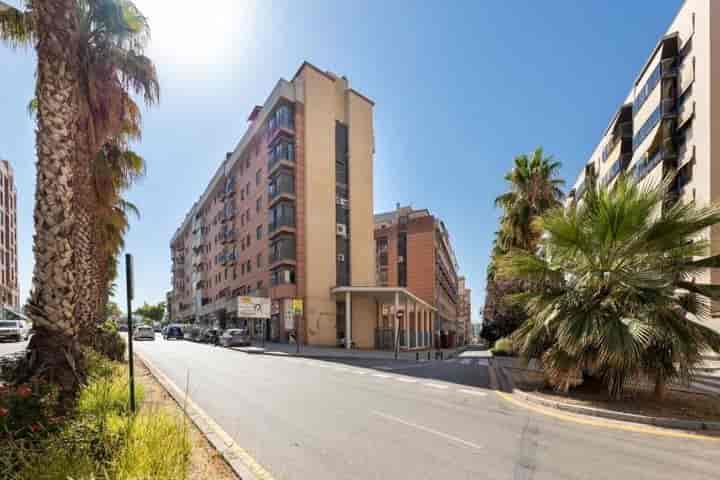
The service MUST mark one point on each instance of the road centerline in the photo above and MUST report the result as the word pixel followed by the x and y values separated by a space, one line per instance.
pixel 446 436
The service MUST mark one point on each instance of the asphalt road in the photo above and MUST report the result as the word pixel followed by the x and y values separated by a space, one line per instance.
pixel 315 419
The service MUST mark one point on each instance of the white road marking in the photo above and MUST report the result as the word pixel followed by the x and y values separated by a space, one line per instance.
pixel 473 392
pixel 405 379
pixel 482 361
pixel 466 361
pixel 380 375
pixel 429 430
pixel 436 385
pixel 358 372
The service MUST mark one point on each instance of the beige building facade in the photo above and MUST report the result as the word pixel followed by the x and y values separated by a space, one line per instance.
pixel 288 216
pixel 669 123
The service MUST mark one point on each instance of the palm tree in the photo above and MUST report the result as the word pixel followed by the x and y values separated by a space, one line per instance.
pixel 52 27
pixel 613 292
pixel 534 188
pixel 113 36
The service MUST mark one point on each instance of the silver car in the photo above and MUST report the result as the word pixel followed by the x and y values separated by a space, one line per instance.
pixel 17 330
pixel 235 337
pixel 144 332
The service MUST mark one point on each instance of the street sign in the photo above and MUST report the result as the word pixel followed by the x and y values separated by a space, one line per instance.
pixel 297 305
pixel 289 315
pixel 400 314
pixel 253 307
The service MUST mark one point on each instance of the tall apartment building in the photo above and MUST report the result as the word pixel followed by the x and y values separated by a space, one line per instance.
pixel 669 123
pixel 9 296
pixel 287 215
pixel 464 311
pixel 413 250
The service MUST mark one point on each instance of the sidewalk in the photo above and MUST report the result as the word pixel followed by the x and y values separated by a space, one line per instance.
pixel 284 349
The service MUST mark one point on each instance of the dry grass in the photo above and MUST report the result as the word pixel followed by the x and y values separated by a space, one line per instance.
pixel 205 462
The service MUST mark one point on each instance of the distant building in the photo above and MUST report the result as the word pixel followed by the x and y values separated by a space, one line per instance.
pixel 413 250
pixel 464 312
pixel 8 237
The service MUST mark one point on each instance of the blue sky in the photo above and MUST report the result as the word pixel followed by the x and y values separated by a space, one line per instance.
pixel 459 91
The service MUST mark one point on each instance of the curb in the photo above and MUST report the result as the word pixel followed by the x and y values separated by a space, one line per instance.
pixel 626 417
pixel 323 357
pixel 240 461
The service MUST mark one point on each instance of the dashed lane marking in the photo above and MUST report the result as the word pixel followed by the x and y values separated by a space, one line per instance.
pixel 405 379
pixel 473 392
pixel 436 385
pixel 444 435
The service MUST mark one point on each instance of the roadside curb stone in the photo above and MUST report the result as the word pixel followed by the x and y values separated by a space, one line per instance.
pixel 214 434
pixel 612 415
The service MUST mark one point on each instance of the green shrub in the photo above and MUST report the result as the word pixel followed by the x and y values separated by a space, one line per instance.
pixel 107 341
pixel 101 439
pixel 503 348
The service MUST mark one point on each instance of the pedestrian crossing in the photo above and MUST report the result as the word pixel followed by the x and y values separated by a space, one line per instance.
pixel 429 385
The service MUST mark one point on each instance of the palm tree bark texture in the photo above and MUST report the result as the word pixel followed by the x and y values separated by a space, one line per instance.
pixel 54 350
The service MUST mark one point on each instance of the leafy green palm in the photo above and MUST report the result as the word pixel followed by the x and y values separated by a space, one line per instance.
pixel 534 188
pixel 613 291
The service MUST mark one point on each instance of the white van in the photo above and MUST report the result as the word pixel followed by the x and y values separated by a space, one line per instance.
pixel 17 330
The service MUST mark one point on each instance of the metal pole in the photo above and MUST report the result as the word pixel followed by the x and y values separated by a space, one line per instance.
pixel 263 332
pixel 129 290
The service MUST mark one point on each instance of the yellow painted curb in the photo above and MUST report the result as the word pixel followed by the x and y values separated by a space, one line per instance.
pixel 605 424
pixel 232 449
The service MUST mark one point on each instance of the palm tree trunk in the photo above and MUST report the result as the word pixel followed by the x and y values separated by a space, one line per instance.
pixel 54 352
pixel 660 387
pixel 84 238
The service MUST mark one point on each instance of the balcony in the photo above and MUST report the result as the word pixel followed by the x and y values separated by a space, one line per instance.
pixel 281 187
pixel 282 154
pixel 646 165
pixel 281 122
pixel 669 68
pixel 282 251
pixel 668 108
pixel 618 166
pixel 282 223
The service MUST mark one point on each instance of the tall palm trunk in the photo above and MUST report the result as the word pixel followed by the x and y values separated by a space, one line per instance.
pixel 54 350
pixel 84 241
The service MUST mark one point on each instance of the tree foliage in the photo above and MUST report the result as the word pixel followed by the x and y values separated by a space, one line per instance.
pixel 614 290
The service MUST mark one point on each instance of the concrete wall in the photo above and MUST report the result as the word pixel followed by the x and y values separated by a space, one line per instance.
pixel 362 243
pixel 364 319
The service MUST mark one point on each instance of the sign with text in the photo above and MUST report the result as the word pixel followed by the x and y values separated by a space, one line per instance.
pixel 253 307
pixel 297 305
pixel 289 315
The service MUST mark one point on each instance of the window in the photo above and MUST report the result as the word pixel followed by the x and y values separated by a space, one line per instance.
pixel 248 268
pixel 247 160
pixel 282 276
pixel 247 189
pixel 242 269
pixel 260 285
pixel 258 204
pixel 247 215
pixel 258 232
pixel 247 242
pixel 258 177
pixel 258 260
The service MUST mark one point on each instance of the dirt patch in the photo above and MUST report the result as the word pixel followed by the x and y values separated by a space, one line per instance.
pixel 677 404
pixel 205 461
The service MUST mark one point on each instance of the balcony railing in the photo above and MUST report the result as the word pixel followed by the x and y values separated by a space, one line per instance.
pixel 282 185
pixel 617 167
pixel 669 107
pixel 669 67
pixel 281 221
pixel 282 152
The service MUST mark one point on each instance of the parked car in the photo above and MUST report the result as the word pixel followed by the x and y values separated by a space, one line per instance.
pixel 144 332
pixel 123 327
pixel 210 335
pixel 173 332
pixel 194 333
pixel 17 330
pixel 235 337
pixel 157 326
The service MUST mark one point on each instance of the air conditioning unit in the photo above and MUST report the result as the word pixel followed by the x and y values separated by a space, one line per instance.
pixel 341 229
pixel 343 202
pixel 341 257
pixel 401 259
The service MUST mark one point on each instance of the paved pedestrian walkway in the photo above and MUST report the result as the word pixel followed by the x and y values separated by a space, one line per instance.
pixel 284 349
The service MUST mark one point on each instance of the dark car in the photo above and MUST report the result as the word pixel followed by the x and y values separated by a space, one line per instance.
pixel 173 332
pixel 235 337
pixel 210 335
